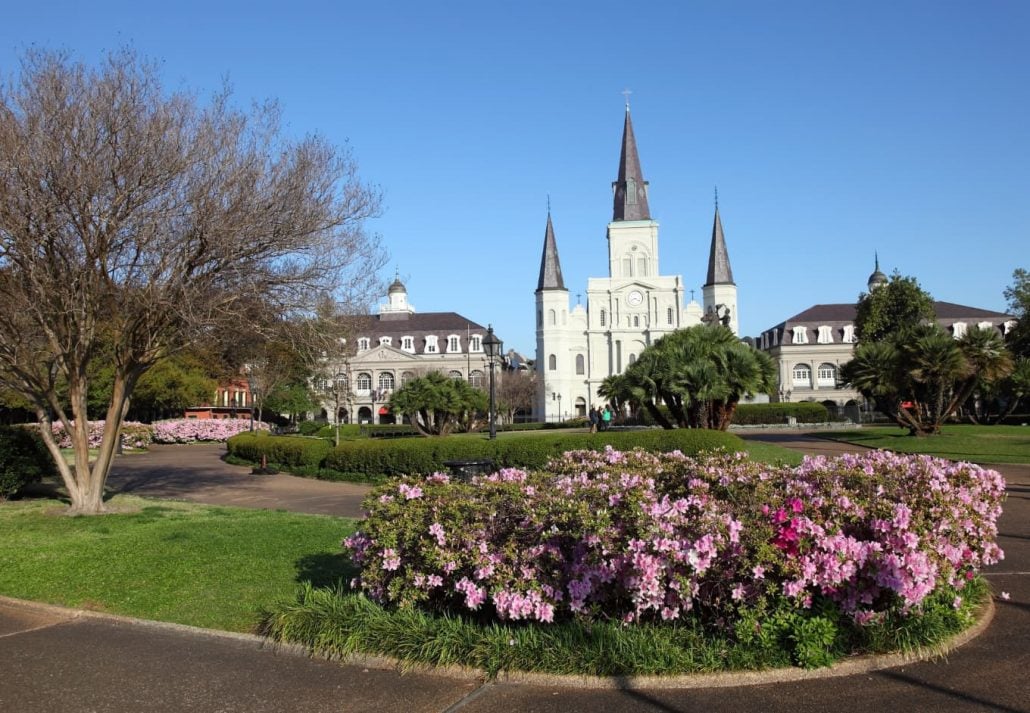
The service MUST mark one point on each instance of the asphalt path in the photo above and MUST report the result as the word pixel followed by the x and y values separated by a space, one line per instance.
pixel 66 660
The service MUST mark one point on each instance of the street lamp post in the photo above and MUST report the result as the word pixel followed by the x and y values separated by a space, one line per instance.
pixel 492 347
pixel 250 394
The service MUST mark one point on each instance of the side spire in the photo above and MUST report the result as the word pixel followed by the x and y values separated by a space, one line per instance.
pixel 630 187
pixel 719 270
pixel 550 266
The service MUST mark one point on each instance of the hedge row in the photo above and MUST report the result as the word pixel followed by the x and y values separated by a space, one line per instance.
pixel 374 458
pixel 756 414
pixel 23 459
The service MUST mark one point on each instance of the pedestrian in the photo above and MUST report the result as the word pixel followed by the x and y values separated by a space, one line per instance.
pixel 595 417
pixel 606 418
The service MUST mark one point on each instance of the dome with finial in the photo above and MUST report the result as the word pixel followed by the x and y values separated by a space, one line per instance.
pixel 396 286
pixel 877 279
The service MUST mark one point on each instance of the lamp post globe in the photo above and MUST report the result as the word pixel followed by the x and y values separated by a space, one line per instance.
pixel 492 349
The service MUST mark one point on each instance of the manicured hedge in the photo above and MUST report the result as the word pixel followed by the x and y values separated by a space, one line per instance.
pixel 428 455
pixel 373 458
pixel 286 451
pixel 769 414
pixel 23 459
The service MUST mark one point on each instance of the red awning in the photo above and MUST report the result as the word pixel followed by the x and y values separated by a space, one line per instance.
pixel 383 410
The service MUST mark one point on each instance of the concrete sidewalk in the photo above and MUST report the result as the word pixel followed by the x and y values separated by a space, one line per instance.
pixel 62 660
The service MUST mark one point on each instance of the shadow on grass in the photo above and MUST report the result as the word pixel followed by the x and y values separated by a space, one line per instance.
pixel 326 569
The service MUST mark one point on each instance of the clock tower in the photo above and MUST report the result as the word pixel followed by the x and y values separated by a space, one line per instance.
pixel 627 311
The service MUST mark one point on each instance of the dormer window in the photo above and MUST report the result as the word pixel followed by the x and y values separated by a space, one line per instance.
pixel 984 325
pixel 431 345
pixel 958 330
pixel 849 334
pixel 408 344
pixel 453 344
pixel 385 341
pixel 825 335
pixel 364 343
pixel 800 335
pixel 475 343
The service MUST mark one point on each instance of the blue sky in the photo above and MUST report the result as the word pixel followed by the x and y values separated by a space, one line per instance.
pixel 831 129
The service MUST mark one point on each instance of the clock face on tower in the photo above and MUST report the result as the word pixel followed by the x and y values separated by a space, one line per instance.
pixel 635 298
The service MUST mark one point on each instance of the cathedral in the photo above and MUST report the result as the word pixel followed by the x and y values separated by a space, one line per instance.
pixel 578 347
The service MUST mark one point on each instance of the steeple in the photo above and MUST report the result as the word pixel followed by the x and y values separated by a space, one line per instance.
pixel 550 267
pixel 630 187
pixel 719 271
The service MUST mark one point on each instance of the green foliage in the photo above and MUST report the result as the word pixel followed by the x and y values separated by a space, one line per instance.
pixel 698 374
pixel 758 414
pixel 436 404
pixel 891 309
pixel 921 376
pixel 397 457
pixel 1018 296
pixel 286 451
pixel 23 460
pixel 172 385
pixel 310 428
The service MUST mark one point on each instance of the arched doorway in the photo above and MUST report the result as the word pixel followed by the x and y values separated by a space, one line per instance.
pixel 581 407
pixel 831 409
pixel 365 415
pixel 853 411
pixel 343 416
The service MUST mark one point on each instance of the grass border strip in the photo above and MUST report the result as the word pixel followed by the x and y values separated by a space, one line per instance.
pixel 850 667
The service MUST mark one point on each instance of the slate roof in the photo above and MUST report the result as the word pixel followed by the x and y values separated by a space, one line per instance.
pixel 840 315
pixel 630 187
pixel 419 326
pixel 550 266
pixel 719 270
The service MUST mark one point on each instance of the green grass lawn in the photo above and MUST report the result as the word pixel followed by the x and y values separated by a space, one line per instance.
pixel 977 444
pixel 169 561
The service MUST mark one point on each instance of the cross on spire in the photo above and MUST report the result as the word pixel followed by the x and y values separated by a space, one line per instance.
pixel 626 93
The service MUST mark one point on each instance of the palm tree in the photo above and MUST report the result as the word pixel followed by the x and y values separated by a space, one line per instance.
pixel 989 362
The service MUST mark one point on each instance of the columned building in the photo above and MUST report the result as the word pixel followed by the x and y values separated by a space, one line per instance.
pixel 810 348
pixel 391 348
pixel 578 347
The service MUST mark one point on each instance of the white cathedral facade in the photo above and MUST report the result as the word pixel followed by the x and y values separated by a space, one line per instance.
pixel 578 347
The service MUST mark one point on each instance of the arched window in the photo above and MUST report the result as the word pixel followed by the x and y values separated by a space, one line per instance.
pixel 668 315
pixel 627 267
pixel 407 376
pixel 364 381
pixel 455 374
pixel 386 381
pixel 604 318
pixel 642 266
pixel 552 362
pixel 632 358
pixel 827 375
pixel 636 320
pixel 476 379
pixel 580 364
pixel 552 317
pixel 802 375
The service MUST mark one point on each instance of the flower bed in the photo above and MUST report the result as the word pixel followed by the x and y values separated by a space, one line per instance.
pixel 642 538
pixel 134 434
pixel 193 430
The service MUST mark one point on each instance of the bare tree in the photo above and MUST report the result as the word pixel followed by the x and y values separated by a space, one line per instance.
pixel 515 391
pixel 154 221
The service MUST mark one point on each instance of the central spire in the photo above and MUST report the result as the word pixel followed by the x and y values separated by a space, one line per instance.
pixel 550 267
pixel 630 187
pixel 719 271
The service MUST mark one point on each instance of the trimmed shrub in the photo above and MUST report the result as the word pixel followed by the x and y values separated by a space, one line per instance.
pixel 23 459
pixel 309 428
pixel 348 432
pixel 722 541
pixel 771 414
pixel 285 451
pixel 428 455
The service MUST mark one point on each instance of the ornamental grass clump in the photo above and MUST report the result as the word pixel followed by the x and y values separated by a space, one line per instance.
pixel 718 540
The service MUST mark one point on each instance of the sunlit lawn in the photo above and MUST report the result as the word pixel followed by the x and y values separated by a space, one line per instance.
pixel 977 444
pixel 170 561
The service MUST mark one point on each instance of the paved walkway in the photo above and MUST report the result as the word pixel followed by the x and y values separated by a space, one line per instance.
pixel 58 659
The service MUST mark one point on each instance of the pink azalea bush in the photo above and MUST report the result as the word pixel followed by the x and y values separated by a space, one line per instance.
pixel 134 434
pixel 643 537
pixel 193 430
